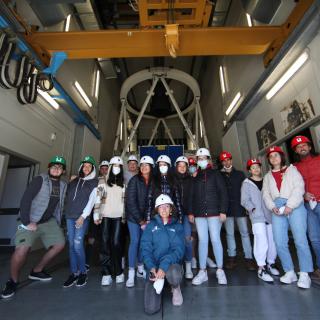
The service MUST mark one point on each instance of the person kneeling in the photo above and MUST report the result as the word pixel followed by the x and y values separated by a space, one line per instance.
pixel 162 250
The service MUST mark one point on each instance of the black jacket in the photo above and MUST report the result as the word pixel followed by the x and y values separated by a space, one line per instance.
pixel 137 200
pixel 185 184
pixel 234 181
pixel 209 194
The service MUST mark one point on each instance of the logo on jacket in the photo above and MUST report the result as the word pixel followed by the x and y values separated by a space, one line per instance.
pixel 155 229
pixel 171 229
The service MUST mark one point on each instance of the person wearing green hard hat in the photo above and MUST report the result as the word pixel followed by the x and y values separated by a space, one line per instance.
pixel 80 199
pixel 40 214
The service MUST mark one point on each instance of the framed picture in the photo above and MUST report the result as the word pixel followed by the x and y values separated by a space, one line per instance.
pixel 266 135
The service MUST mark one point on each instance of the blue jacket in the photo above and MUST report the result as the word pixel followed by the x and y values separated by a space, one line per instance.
pixel 162 245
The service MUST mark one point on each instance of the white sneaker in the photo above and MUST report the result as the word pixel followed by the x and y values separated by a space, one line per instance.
pixel 210 263
pixel 130 281
pixel 194 263
pixel 304 280
pixel 106 281
pixel 221 276
pixel 177 299
pixel 120 278
pixel 141 273
pixel 200 278
pixel 188 274
pixel 272 269
pixel 289 277
pixel 263 275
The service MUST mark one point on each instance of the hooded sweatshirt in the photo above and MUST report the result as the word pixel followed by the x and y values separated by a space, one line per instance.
pixel 81 196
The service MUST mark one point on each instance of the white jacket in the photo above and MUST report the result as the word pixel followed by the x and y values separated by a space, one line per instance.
pixel 292 188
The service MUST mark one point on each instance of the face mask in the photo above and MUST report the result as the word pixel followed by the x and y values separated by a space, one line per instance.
pixel 203 164
pixel 163 169
pixel 192 170
pixel 116 170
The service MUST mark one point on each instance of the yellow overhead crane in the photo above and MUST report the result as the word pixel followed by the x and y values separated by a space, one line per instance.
pixel 176 28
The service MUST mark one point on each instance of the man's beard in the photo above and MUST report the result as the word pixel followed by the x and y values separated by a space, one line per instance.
pixel 54 177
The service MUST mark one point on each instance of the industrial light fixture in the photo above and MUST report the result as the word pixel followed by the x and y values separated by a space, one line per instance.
pixel 201 132
pixel 222 80
pixel 233 103
pixel 97 84
pixel 250 24
pixel 46 96
pixel 288 74
pixel 121 130
pixel 83 94
pixel 67 24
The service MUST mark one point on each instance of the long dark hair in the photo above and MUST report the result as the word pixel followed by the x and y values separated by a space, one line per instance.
pixel 170 177
pixel 150 174
pixel 115 179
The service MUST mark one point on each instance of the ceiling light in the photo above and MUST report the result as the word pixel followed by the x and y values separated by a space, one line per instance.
pixel 250 24
pixel 222 81
pixel 46 96
pixel 67 24
pixel 97 84
pixel 83 94
pixel 233 103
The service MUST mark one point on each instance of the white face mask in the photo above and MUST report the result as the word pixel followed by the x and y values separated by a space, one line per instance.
pixel 163 169
pixel 116 170
pixel 203 164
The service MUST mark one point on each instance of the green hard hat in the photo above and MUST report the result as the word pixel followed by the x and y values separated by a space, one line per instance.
pixel 58 160
pixel 89 159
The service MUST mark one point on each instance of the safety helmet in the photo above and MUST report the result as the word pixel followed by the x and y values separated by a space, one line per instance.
pixel 203 152
pixel 225 155
pixel 250 162
pixel 182 159
pixel 274 149
pixel 89 159
pixel 146 159
pixel 116 160
pixel 192 162
pixel 299 139
pixel 104 163
pixel 163 199
pixel 164 158
pixel 133 158
pixel 58 160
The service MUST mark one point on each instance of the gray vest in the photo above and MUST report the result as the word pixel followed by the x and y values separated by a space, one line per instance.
pixel 40 202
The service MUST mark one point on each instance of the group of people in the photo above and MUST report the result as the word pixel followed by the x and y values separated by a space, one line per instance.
pixel 167 209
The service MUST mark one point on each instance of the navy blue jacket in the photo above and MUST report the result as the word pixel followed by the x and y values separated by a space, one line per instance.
pixel 162 245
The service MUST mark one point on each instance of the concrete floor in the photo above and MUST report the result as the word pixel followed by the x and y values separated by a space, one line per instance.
pixel 245 297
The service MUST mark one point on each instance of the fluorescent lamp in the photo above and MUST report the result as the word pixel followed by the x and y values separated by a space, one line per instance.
pixel 222 81
pixel 121 130
pixel 46 96
pixel 97 84
pixel 233 103
pixel 288 74
pixel 83 94
pixel 201 132
pixel 67 25
pixel 249 20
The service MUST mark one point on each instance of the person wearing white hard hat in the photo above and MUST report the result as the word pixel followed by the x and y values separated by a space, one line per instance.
pixel 136 215
pixel 109 212
pixel 162 249
pixel 132 170
pixel 103 168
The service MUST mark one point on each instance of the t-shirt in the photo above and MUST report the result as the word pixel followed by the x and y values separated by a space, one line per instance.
pixel 257 183
pixel 278 177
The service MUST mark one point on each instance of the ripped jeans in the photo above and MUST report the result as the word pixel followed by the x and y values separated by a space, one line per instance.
pixel 76 246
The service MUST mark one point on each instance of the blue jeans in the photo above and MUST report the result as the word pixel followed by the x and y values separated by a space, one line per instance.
pixel 314 230
pixel 242 223
pixel 297 220
pixel 76 246
pixel 134 252
pixel 188 240
pixel 213 225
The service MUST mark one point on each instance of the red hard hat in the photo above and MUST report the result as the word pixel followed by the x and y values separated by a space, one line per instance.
pixel 250 162
pixel 299 139
pixel 192 162
pixel 274 149
pixel 225 155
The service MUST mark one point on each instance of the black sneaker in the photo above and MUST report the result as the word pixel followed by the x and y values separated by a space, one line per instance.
pixel 70 281
pixel 9 290
pixel 41 276
pixel 82 280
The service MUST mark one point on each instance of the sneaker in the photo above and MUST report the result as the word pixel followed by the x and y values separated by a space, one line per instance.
pixel 70 281
pixel 231 263
pixel 221 276
pixel 251 265
pixel 263 275
pixel 315 275
pixel 141 273
pixel 9 290
pixel 194 263
pixel 289 277
pixel 210 263
pixel 177 299
pixel 120 278
pixel 271 268
pixel 106 280
pixel 200 278
pixel 40 276
pixel 188 274
pixel 82 280
pixel 130 281
pixel 304 281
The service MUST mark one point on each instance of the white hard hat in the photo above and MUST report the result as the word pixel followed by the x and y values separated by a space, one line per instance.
pixel 203 152
pixel 116 160
pixel 132 158
pixel 182 159
pixel 146 159
pixel 163 199
pixel 165 159
pixel 104 163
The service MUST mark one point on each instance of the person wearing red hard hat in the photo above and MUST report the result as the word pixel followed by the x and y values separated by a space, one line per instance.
pixel 309 167
pixel 283 191
pixel 264 248
pixel 236 213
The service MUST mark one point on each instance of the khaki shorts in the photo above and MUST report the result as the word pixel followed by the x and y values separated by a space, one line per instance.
pixel 49 232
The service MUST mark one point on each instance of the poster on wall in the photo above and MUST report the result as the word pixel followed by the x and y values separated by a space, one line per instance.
pixel 266 135
pixel 296 113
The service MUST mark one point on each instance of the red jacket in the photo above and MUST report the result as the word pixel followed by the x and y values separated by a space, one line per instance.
pixel 309 168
